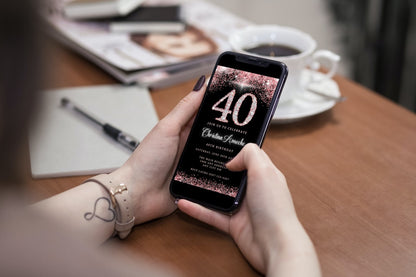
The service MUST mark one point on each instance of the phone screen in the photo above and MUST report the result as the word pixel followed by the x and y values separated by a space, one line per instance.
pixel 236 110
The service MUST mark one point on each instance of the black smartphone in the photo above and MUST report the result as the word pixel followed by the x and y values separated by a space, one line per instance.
pixel 239 102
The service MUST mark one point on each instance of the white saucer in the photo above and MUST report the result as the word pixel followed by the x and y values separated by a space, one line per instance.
pixel 306 103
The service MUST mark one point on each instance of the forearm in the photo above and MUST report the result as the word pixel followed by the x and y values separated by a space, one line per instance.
pixel 86 209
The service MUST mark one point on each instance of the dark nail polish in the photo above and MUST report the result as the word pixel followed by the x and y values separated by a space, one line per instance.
pixel 200 83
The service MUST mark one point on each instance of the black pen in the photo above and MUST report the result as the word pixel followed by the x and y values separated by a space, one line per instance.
pixel 123 138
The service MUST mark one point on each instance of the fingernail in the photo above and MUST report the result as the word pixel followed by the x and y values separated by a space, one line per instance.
pixel 200 83
pixel 176 201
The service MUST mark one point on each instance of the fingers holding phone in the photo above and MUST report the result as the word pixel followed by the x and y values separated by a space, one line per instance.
pixel 265 228
pixel 255 226
pixel 268 196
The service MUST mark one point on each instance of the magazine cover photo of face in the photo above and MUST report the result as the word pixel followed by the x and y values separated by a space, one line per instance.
pixel 232 115
pixel 185 45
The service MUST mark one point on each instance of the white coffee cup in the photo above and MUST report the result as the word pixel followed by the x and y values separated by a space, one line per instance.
pixel 307 57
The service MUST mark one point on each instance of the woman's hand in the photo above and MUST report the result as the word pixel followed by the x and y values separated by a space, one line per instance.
pixel 148 171
pixel 266 228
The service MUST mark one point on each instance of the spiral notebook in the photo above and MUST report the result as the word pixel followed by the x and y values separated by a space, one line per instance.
pixel 63 143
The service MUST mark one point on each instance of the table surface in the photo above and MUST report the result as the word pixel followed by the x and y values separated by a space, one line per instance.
pixel 351 171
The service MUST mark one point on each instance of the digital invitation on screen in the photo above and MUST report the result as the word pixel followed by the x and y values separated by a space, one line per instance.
pixel 232 115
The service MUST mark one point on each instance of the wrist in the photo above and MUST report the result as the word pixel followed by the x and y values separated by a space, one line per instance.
pixel 120 201
pixel 125 175
pixel 143 195
pixel 289 243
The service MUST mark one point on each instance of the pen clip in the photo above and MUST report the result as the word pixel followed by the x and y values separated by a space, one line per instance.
pixel 127 140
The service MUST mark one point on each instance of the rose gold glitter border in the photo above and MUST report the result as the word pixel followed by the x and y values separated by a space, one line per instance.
pixel 206 184
pixel 263 86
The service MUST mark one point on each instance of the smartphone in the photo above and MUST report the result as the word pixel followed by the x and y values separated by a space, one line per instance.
pixel 239 102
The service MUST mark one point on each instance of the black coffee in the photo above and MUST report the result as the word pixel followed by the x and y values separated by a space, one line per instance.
pixel 273 50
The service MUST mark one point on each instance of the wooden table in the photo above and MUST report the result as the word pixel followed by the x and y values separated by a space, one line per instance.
pixel 351 171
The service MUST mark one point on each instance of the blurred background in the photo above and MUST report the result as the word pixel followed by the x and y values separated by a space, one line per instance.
pixel 375 38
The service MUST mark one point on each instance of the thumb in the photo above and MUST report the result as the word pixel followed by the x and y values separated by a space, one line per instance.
pixel 249 153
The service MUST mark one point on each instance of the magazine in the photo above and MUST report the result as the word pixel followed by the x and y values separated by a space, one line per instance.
pixel 154 60
pixel 81 9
